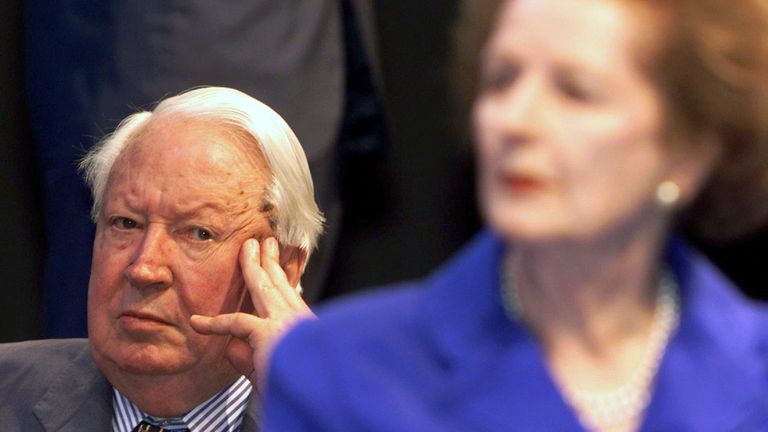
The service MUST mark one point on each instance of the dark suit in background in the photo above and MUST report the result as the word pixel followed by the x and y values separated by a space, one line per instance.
pixel 91 63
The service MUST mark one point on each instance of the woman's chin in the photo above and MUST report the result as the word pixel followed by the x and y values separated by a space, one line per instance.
pixel 527 228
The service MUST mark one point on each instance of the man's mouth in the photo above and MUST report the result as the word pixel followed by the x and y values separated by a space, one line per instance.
pixel 140 318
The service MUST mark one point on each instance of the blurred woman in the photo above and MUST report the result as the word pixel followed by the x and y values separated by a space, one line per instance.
pixel 601 126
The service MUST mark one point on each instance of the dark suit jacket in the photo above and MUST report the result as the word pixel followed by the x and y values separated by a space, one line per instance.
pixel 54 385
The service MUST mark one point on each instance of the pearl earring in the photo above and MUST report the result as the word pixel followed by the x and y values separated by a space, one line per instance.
pixel 668 193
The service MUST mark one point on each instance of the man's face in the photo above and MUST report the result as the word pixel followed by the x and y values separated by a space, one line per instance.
pixel 179 203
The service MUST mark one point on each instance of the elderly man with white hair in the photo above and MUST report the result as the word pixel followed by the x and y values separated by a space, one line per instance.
pixel 196 204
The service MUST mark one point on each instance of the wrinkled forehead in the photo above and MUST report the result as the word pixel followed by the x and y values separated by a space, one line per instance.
pixel 190 154
pixel 188 136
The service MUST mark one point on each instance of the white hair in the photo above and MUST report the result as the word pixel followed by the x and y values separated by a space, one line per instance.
pixel 299 222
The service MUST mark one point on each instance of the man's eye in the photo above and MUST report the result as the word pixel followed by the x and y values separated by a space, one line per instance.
pixel 201 234
pixel 124 223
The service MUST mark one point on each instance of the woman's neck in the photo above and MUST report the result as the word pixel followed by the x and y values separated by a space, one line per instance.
pixel 589 295
pixel 602 319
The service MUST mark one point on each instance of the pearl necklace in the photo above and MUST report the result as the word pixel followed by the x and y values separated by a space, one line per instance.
pixel 604 411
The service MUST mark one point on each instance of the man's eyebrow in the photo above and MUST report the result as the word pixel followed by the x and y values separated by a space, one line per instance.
pixel 189 211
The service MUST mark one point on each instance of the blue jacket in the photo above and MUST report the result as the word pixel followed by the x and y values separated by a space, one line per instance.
pixel 440 355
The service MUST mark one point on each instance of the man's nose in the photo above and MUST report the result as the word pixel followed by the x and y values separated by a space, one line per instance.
pixel 150 267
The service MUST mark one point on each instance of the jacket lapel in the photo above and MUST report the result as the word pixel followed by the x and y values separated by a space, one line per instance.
pixel 712 378
pixel 496 370
pixel 79 400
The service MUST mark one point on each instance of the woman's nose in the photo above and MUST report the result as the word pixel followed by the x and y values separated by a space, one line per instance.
pixel 150 266
pixel 520 109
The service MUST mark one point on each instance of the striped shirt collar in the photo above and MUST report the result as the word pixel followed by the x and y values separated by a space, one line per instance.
pixel 223 412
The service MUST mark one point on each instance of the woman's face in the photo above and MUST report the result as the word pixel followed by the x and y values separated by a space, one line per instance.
pixel 568 127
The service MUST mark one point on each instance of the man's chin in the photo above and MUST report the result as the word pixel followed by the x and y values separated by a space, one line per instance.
pixel 144 358
pixel 151 369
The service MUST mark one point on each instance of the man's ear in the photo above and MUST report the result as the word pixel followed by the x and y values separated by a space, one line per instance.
pixel 292 260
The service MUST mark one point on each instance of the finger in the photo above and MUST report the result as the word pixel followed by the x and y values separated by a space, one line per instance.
pixel 239 325
pixel 258 283
pixel 270 262
pixel 270 289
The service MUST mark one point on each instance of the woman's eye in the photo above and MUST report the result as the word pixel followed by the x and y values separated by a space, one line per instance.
pixel 124 223
pixel 500 78
pixel 201 234
pixel 577 90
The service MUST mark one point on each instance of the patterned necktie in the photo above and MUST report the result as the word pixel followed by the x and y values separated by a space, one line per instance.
pixel 145 426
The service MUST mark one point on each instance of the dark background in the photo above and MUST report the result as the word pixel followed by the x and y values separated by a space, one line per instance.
pixel 405 214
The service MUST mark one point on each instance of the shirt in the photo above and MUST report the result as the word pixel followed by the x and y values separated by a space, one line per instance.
pixel 223 412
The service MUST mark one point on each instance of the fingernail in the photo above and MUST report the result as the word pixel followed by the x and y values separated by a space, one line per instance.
pixel 253 247
pixel 272 245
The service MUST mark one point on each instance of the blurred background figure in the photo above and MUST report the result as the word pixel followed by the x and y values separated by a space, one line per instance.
pixel 602 129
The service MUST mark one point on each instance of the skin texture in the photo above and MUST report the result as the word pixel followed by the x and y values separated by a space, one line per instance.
pixel 180 203
pixel 277 308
